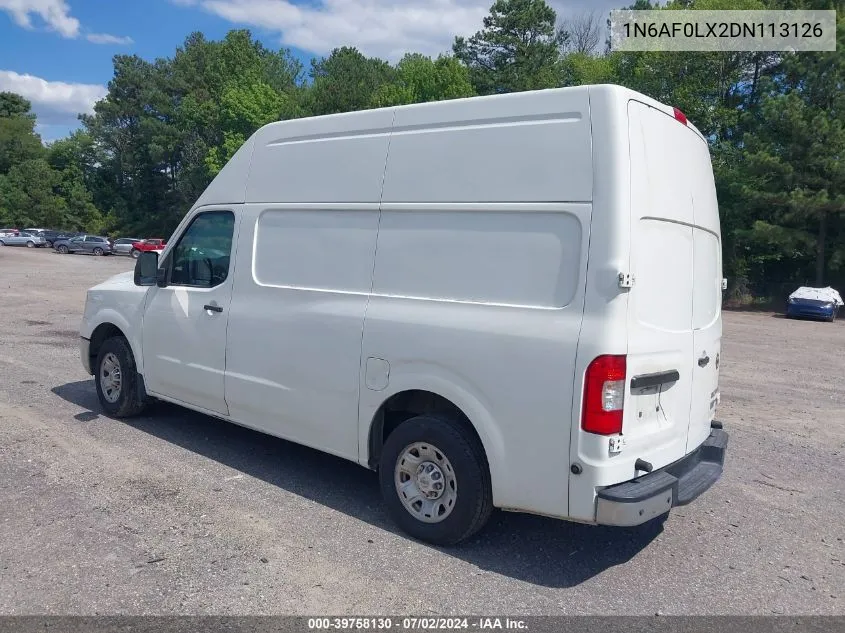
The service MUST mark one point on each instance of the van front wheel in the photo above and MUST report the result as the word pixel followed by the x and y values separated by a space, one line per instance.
pixel 117 381
pixel 435 480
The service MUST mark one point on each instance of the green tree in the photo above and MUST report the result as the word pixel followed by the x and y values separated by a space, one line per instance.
pixel 14 105
pixel 28 195
pixel 166 127
pixel 795 150
pixel 18 140
pixel 518 48
pixel 346 81
pixel 73 158
pixel 420 79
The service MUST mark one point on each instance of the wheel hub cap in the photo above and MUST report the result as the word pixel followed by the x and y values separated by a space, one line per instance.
pixel 425 482
pixel 430 480
pixel 111 378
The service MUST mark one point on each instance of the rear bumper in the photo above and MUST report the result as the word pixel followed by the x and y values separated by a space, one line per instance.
pixel 644 498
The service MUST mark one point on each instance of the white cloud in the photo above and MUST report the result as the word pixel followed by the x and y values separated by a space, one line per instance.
pixel 55 102
pixel 384 28
pixel 55 14
pixel 105 38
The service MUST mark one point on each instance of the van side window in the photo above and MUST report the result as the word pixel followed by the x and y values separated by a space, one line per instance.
pixel 502 257
pixel 201 257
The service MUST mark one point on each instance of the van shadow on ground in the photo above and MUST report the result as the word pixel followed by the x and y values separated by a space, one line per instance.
pixel 533 549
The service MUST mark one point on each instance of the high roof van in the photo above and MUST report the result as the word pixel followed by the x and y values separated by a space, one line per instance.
pixel 509 302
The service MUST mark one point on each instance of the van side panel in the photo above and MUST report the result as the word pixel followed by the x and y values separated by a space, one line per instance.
pixel 503 353
pixel 294 341
pixel 228 186
pixel 338 158
pixel 604 329
pixel 479 278
pixel 293 350
pixel 523 147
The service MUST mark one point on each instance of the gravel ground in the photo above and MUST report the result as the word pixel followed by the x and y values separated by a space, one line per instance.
pixel 178 513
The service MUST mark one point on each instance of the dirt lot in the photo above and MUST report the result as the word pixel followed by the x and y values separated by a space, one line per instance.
pixel 180 513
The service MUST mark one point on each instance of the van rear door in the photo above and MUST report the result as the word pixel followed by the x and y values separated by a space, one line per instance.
pixel 706 297
pixel 674 327
pixel 660 338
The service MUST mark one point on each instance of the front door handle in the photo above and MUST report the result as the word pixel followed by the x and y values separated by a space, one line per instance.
pixel 703 361
pixel 212 308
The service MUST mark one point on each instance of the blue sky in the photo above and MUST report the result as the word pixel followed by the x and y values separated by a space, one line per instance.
pixel 58 53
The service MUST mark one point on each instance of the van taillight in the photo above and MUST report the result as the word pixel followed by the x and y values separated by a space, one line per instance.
pixel 680 116
pixel 604 395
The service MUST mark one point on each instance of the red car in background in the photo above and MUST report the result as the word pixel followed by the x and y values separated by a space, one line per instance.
pixel 153 244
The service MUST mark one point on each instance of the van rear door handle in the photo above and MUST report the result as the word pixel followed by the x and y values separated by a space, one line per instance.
pixel 653 380
pixel 703 361
pixel 212 308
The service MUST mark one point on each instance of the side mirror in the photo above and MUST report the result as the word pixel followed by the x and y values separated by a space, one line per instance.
pixel 146 269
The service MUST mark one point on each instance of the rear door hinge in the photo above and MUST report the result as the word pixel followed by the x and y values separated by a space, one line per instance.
pixel 626 280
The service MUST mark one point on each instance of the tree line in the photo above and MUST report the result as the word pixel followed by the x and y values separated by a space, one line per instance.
pixel 775 124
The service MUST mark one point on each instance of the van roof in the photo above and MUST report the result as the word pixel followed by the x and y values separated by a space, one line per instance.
pixel 232 183
pixel 621 93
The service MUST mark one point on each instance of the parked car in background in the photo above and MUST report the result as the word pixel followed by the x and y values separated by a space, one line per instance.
pixel 49 235
pixel 66 235
pixel 814 303
pixel 8 232
pixel 23 238
pixel 153 244
pixel 91 244
pixel 124 245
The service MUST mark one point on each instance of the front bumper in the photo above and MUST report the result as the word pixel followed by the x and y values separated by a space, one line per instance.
pixel 644 498
pixel 85 354
pixel 810 311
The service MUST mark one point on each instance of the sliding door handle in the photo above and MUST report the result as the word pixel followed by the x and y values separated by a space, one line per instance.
pixel 212 308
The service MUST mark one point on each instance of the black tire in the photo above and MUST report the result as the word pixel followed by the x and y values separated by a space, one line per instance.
pixel 130 401
pixel 62 249
pixel 474 496
pixel 2 243
pixel 30 244
pixel 135 253
pixel 98 251
pixel 48 244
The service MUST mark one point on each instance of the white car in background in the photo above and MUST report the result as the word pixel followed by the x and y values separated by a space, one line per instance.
pixel 124 245
pixel 30 240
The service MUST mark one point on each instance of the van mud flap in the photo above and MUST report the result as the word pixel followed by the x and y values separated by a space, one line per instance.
pixel 644 498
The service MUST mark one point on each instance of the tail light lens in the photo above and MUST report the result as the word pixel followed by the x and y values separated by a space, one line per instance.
pixel 604 395
pixel 680 116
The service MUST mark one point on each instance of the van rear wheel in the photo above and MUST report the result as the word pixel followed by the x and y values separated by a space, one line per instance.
pixel 435 480
pixel 118 383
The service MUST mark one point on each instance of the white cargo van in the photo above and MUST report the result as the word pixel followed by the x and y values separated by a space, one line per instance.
pixel 508 301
